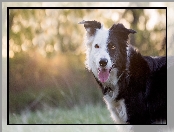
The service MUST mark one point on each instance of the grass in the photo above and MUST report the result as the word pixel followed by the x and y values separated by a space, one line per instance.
pixel 77 115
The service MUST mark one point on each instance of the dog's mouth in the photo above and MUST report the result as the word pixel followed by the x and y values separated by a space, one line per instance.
pixel 103 74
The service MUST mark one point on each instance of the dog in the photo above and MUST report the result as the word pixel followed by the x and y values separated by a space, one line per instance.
pixel 134 86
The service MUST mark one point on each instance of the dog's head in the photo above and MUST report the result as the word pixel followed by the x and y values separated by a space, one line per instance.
pixel 106 48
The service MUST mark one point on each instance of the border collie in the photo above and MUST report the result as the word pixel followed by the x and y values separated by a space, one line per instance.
pixel 134 86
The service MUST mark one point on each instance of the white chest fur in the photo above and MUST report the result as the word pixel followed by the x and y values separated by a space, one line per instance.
pixel 117 109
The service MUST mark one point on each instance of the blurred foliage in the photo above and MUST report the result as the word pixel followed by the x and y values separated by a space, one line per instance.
pixel 52 30
pixel 47 55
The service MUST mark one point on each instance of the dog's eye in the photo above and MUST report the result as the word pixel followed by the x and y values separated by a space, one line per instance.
pixel 96 46
pixel 111 46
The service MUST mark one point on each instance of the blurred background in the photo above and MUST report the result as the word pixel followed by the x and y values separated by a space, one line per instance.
pixel 47 55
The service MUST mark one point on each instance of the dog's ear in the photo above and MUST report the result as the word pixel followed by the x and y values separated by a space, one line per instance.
pixel 91 26
pixel 121 31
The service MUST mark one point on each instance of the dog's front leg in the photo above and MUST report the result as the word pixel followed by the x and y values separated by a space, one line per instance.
pixel 114 108
pixel 118 113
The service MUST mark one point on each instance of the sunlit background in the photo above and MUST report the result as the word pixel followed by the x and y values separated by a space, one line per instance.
pixel 47 54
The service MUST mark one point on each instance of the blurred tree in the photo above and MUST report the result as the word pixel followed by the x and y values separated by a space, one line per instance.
pixel 148 41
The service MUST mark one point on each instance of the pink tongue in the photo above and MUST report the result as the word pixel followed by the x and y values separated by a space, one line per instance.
pixel 103 75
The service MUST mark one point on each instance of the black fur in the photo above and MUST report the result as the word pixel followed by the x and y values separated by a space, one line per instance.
pixel 92 26
pixel 121 31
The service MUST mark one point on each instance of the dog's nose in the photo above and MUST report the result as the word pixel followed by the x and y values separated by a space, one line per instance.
pixel 103 62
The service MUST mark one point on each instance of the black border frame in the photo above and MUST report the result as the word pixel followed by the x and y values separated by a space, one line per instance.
pixel 8 8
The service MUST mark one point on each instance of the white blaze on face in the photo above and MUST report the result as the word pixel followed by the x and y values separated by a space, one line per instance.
pixel 96 54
